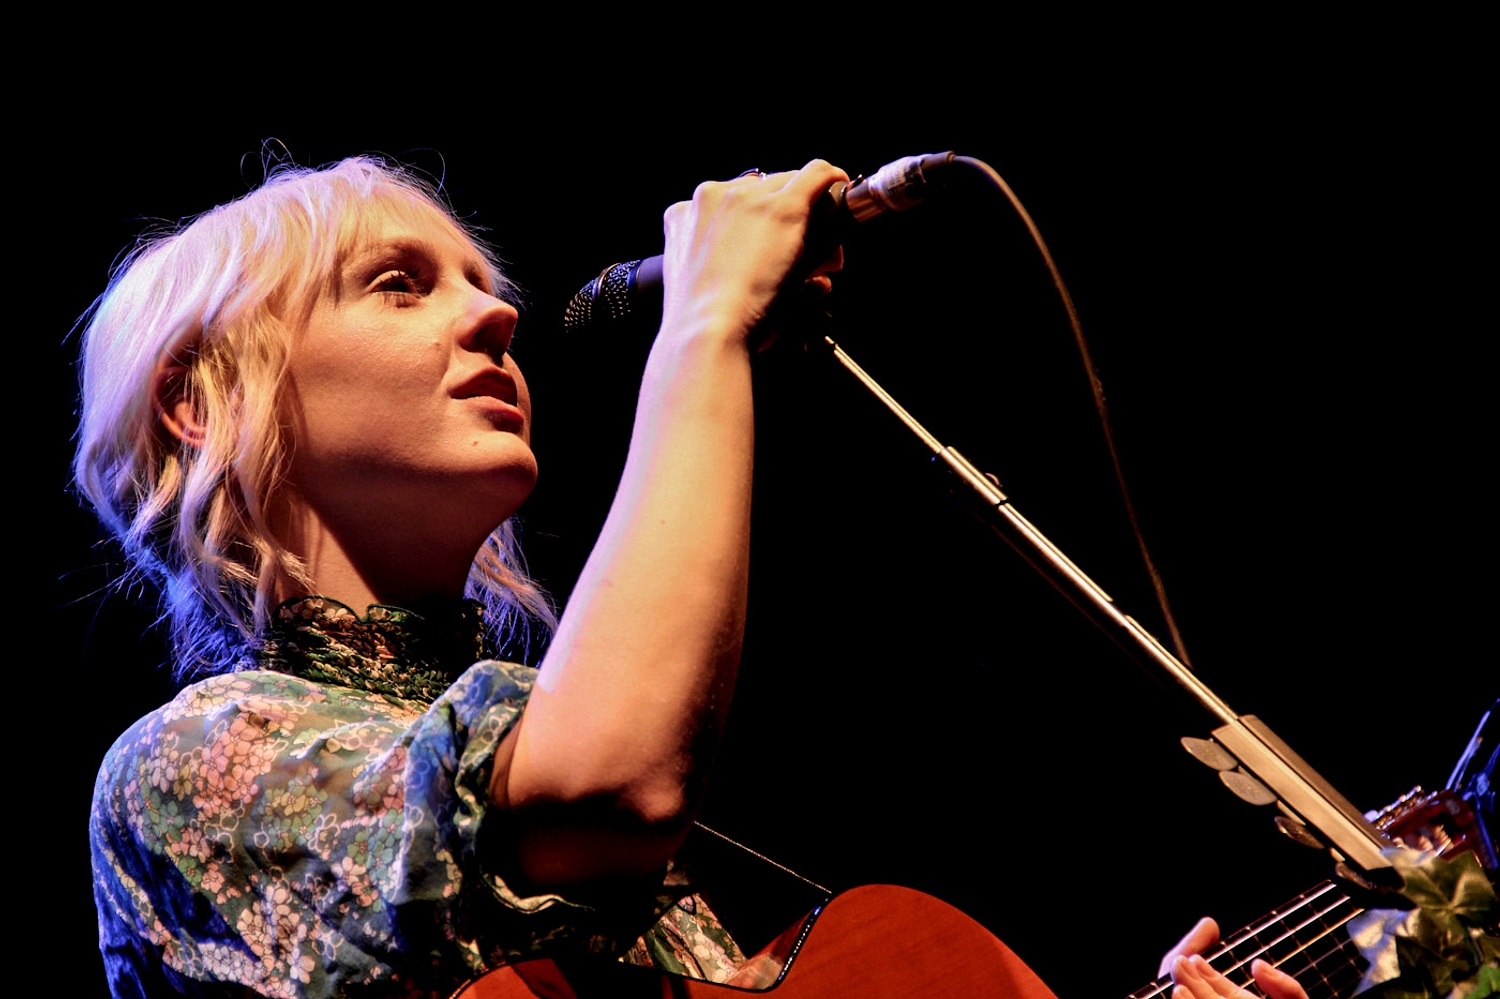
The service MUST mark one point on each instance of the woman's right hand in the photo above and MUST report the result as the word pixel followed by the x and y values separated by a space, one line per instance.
pixel 1196 978
pixel 731 249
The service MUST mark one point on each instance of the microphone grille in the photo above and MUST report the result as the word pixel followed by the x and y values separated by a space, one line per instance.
pixel 609 293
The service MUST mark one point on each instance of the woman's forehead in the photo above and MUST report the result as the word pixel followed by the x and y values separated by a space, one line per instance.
pixel 396 218
pixel 388 216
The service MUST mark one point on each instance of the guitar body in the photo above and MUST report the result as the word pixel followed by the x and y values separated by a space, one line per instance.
pixel 874 942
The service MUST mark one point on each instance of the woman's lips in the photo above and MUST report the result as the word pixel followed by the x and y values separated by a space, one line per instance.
pixel 494 391
pixel 491 383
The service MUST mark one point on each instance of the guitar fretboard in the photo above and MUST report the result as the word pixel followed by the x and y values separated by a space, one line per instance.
pixel 1305 938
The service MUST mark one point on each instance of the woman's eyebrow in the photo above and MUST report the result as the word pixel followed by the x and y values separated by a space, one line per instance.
pixel 473 267
pixel 388 251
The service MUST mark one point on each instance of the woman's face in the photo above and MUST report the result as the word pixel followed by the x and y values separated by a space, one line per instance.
pixel 404 400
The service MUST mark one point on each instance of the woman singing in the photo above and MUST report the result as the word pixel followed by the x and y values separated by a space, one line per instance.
pixel 302 423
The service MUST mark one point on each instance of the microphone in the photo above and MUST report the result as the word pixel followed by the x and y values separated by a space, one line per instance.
pixel 634 287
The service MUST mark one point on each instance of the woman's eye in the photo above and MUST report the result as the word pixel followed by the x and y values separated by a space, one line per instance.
pixel 400 281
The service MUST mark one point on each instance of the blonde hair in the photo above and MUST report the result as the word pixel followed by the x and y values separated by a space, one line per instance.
pixel 221 297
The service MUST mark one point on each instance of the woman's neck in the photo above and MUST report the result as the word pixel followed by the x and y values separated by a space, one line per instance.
pixel 362 561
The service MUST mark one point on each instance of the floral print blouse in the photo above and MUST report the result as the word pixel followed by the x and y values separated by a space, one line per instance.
pixel 317 823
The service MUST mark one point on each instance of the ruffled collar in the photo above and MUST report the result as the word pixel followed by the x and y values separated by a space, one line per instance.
pixel 391 650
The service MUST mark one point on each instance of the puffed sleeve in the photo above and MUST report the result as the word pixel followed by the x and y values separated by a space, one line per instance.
pixel 306 839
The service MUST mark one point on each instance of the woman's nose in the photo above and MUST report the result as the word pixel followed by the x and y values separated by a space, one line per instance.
pixel 491 325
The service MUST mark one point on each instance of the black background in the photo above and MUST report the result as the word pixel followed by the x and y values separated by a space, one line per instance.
pixel 1273 260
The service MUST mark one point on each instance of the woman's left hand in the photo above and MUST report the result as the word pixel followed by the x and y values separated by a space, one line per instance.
pixel 1196 978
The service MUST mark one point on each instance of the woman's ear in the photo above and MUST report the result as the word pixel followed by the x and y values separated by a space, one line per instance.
pixel 169 396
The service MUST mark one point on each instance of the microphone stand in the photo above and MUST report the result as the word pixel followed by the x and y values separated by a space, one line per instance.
pixel 1252 761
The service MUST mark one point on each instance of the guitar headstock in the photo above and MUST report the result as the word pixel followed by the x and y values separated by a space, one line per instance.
pixel 1442 820
pixel 1459 817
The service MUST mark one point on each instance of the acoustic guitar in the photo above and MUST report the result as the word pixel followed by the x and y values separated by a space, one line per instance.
pixel 885 942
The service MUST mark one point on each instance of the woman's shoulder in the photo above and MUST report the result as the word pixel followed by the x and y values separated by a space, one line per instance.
pixel 221 733
pixel 258 790
pixel 262 711
pixel 273 699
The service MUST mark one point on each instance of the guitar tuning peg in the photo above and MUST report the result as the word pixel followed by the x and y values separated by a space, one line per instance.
pixel 1209 753
pixel 1247 787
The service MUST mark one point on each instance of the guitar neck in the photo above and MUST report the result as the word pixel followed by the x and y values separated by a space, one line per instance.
pixel 1306 938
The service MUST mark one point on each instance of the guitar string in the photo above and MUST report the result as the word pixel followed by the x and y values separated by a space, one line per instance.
pixel 1338 944
pixel 1326 977
pixel 1346 974
pixel 1290 934
pixel 761 856
pixel 1338 981
pixel 1275 916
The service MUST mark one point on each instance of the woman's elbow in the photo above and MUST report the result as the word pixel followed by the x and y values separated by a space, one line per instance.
pixel 600 837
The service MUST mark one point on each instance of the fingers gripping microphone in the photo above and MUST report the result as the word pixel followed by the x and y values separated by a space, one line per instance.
pixel 633 289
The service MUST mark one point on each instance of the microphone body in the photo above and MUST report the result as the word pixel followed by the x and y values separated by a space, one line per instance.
pixel 634 288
